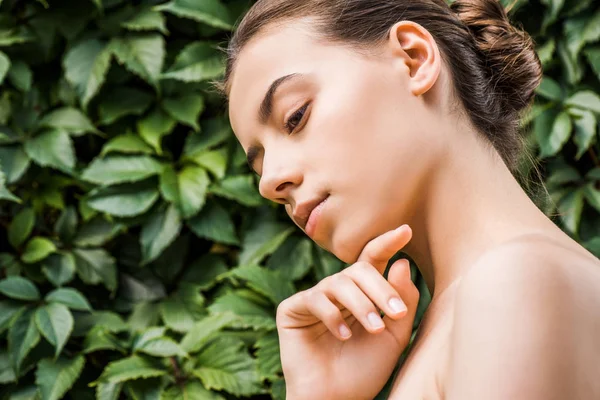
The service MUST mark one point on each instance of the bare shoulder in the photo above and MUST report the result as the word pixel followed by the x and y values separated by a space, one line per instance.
pixel 533 266
pixel 525 321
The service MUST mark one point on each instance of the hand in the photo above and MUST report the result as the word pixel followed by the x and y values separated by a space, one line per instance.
pixel 318 361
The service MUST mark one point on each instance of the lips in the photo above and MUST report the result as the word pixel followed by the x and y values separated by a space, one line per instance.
pixel 302 211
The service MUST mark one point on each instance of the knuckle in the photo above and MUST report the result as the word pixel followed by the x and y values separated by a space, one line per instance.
pixel 357 269
pixel 331 315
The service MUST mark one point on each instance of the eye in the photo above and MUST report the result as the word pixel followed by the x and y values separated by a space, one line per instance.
pixel 295 119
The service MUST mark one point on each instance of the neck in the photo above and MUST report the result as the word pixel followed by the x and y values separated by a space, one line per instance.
pixel 472 204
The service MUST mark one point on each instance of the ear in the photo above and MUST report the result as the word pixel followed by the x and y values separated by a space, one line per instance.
pixel 415 48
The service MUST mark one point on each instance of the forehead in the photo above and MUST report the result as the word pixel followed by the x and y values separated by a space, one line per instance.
pixel 280 50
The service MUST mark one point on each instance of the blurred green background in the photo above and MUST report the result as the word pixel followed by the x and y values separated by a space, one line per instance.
pixel 137 259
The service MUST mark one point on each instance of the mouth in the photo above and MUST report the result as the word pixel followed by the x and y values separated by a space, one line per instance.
pixel 302 213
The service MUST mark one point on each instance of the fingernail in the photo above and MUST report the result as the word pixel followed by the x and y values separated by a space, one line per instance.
pixel 344 331
pixel 397 305
pixel 401 227
pixel 375 320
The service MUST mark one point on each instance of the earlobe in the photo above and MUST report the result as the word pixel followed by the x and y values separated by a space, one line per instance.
pixel 419 52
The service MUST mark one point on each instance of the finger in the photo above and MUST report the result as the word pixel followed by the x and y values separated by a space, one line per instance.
pixel 377 289
pixel 345 291
pixel 399 278
pixel 323 309
pixel 379 250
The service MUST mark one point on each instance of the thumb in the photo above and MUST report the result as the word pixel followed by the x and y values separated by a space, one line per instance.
pixel 399 278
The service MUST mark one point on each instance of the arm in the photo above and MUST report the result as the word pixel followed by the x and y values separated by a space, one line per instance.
pixel 514 334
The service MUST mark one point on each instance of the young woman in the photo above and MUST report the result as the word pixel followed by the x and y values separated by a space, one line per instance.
pixel 392 124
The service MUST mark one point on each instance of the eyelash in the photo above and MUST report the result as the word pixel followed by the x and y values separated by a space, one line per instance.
pixel 287 124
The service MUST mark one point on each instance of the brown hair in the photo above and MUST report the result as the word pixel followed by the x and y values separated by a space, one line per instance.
pixel 494 65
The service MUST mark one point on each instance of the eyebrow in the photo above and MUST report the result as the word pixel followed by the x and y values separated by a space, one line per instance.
pixel 265 110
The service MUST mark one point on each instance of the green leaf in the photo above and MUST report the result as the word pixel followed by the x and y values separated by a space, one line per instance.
pixel 593 57
pixel 197 62
pixel 53 148
pixel 546 51
pixel 100 338
pixel 262 239
pixel 14 162
pixel 86 65
pixel 270 283
pixel 557 136
pixel 7 373
pixel 184 308
pixel 581 30
pixel 20 75
pixel 119 169
pixel 210 12
pixel 573 69
pixel 550 89
pixel 585 130
pixel 17 287
pixel 592 195
pixel 122 101
pixel 193 183
pixel 108 391
pixel 96 232
pixel 226 365
pixel 55 322
pixel 326 264
pixel 154 126
pixel 107 320
pixel 214 223
pixel 268 356
pixel 146 20
pixel 21 227
pixel 147 389
pixel 214 161
pixel 185 109
pixel 551 15
pixel 23 335
pixel 585 99
pixel 205 329
pixel 30 392
pixel 130 368
pixel 8 311
pixel 59 268
pixel 70 297
pixel 240 188
pixel 187 188
pixel 95 266
pixel 570 207
pixel 159 230
pixel 251 314
pixel 293 258
pixel 124 200
pixel 190 390
pixel 159 347
pixel 55 378
pixel 6 194
pixel 37 249
pixel 593 174
pixel 128 143
pixel 204 271
pixel 66 224
pixel 143 55
pixel 4 66
pixel 68 119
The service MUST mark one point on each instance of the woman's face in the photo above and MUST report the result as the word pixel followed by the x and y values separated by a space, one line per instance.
pixel 355 133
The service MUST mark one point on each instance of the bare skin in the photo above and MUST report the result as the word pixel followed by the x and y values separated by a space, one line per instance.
pixel 515 299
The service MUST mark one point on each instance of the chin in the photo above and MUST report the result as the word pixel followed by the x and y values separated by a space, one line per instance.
pixel 347 249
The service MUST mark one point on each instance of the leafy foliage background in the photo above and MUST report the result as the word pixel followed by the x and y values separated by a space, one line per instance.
pixel 137 259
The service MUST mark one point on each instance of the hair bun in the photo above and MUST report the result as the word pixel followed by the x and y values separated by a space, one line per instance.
pixel 508 54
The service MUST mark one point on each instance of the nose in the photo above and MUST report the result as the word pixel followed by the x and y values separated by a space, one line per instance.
pixel 280 175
